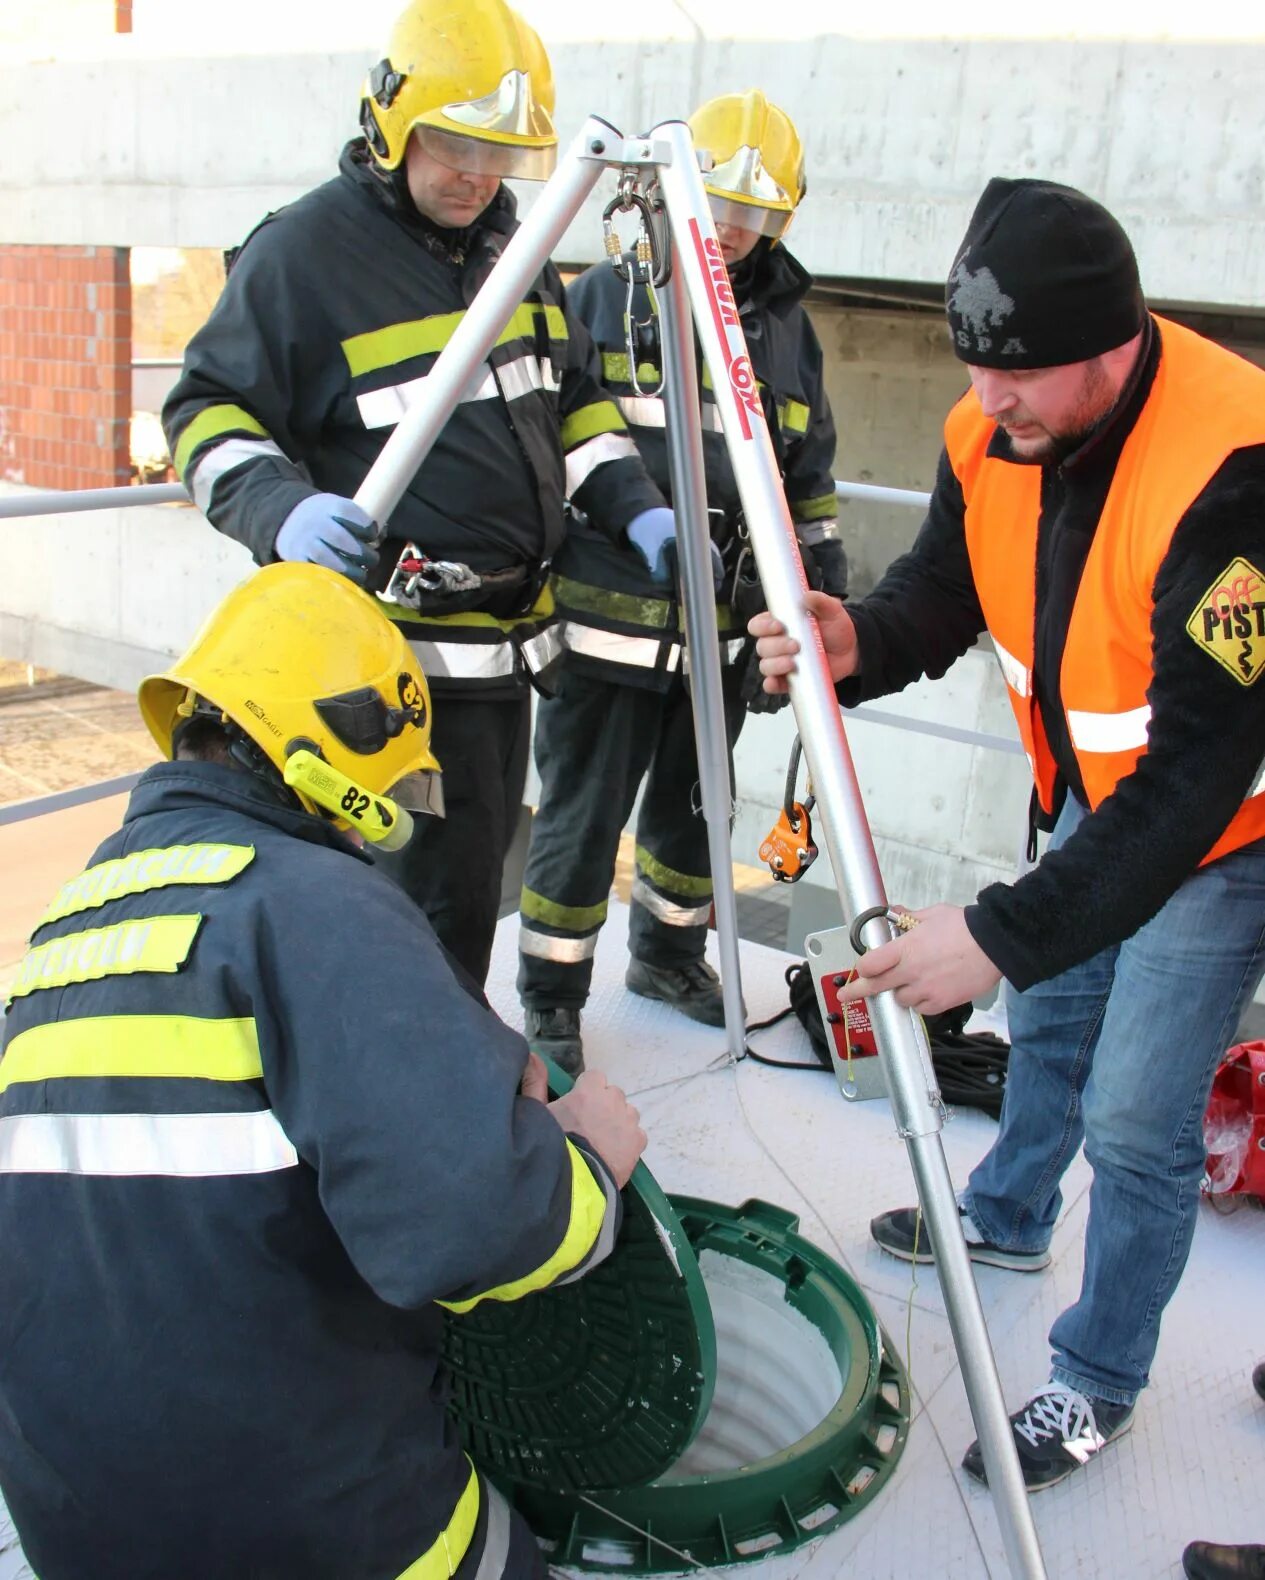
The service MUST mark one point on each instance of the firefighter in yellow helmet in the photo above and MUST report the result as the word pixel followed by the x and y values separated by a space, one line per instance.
pixel 334 311
pixel 623 709
pixel 255 1133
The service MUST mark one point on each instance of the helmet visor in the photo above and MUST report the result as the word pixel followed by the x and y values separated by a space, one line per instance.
pixel 422 791
pixel 749 216
pixel 477 157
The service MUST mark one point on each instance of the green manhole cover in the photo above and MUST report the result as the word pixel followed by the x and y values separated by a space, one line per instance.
pixel 809 1418
pixel 598 1384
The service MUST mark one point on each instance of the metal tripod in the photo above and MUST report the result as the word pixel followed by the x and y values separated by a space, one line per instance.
pixel 663 168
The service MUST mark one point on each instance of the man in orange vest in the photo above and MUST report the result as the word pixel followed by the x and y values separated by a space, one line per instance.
pixel 1099 510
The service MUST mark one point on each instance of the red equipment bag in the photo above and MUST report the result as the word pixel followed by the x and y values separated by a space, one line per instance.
pixel 1234 1124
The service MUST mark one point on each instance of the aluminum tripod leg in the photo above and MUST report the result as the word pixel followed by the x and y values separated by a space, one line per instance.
pixel 902 1045
pixel 689 503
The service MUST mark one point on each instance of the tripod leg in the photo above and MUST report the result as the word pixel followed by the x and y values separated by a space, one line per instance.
pixel 689 502
pixel 915 1099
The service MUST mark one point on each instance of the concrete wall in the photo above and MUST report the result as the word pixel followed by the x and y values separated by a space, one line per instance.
pixel 190 150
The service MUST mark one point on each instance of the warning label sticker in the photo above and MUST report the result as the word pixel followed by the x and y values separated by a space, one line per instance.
pixel 1229 621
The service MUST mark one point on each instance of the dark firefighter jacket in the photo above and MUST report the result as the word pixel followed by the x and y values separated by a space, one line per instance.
pixel 1206 729
pixel 334 311
pixel 252 1131
pixel 618 620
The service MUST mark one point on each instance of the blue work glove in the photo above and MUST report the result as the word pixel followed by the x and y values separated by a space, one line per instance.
pixel 326 529
pixel 653 535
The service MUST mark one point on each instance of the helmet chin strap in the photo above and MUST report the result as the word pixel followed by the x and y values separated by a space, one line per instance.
pixel 244 753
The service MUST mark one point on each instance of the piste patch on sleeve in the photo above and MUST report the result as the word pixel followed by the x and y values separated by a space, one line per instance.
pixel 1228 622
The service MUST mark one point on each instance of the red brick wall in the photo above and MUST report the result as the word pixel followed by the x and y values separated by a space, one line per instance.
pixel 65 366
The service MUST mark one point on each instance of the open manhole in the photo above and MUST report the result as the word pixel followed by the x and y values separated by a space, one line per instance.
pixel 808 1417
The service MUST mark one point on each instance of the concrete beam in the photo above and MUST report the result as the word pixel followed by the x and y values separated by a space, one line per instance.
pixel 902 134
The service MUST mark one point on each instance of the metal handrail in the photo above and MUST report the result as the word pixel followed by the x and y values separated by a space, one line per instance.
pixel 59 502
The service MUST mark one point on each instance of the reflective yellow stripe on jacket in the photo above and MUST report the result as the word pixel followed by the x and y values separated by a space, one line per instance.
pixel 445 1553
pixel 588 1212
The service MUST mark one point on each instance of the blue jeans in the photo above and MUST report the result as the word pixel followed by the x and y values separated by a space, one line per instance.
pixel 1120 1052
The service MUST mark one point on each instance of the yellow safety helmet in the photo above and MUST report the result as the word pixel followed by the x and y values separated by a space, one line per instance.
pixel 305 664
pixel 757 176
pixel 472 79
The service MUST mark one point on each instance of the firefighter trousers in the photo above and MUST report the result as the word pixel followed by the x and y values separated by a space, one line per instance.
pixel 595 741
pixel 452 865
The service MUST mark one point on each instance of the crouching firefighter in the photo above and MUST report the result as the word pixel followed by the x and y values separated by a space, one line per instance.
pixel 335 310
pixel 622 712
pixel 255 1135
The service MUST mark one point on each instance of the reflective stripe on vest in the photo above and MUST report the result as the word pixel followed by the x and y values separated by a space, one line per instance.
pixel 146 870
pixel 152 943
pixel 123 1145
pixel 1205 403
pixel 151 1046
pixel 384 408
pixel 648 411
pixel 488 660
pixel 610 647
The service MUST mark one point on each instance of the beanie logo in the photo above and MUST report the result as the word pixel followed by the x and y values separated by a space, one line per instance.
pixel 979 305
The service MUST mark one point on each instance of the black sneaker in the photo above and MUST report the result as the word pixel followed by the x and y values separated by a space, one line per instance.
pixel 1212 1561
pixel 1057 1432
pixel 898 1232
pixel 693 989
pixel 555 1034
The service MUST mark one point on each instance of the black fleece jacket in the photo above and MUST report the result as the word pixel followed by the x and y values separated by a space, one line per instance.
pixel 1206 738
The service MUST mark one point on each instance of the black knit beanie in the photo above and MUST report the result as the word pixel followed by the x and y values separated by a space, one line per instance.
pixel 1044 276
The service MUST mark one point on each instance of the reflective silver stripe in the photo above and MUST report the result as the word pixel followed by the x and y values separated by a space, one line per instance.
pixel 667 911
pixel 566 951
pixel 595 452
pixel 539 651
pixel 1109 732
pixel 647 411
pixel 496 1540
pixel 385 407
pixel 188 1145
pixel 1258 784
pixel 464 660
pixel 520 377
pixel 612 648
pixel 605 1242
pixel 728 652
pixel 1017 676
pixel 223 458
pixel 811 532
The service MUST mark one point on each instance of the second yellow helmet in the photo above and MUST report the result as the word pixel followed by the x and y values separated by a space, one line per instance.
pixel 757 177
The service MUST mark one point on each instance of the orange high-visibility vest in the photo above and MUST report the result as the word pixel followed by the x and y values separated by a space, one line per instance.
pixel 1205 403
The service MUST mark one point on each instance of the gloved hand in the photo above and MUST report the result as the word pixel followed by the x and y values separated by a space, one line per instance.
pixel 830 562
pixel 326 529
pixel 653 535
pixel 751 690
